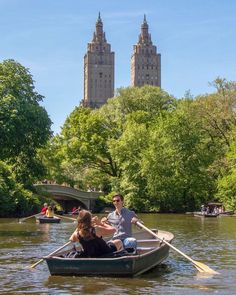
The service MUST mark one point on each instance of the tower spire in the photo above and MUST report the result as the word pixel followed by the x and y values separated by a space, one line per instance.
pixel 99 29
pixel 145 37
pixel 144 19
pixel 99 17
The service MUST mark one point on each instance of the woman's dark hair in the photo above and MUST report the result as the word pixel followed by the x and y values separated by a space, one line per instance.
pixel 84 223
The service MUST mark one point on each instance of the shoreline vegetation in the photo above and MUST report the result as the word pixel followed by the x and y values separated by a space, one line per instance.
pixel 165 154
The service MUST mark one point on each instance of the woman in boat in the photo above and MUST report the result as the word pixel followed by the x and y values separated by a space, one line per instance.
pixel 50 212
pixel 89 233
pixel 74 211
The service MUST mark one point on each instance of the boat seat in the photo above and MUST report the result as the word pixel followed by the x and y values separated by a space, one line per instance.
pixel 149 240
pixel 145 248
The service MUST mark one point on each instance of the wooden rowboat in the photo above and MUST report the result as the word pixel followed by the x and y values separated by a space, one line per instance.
pixel 150 252
pixel 45 219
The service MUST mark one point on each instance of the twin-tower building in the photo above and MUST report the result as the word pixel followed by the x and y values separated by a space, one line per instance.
pixel 99 65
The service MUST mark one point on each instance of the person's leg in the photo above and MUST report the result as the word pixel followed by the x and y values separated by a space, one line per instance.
pixel 118 243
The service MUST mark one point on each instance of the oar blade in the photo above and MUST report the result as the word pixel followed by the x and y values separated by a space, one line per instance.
pixel 204 268
pixel 35 264
pixel 25 218
pixel 199 265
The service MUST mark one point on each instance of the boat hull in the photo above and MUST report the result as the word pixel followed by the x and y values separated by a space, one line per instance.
pixel 125 266
pixel 199 214
pixel 227 213
pixel 48 220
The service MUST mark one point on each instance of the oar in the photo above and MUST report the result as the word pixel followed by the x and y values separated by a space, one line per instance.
pixel 199 265
pixel 49 255
pixel 23 219
pixel 69 218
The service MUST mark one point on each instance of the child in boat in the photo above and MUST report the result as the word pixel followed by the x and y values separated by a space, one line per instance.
pixel 89 234
pixel 74 210
pixel 44 209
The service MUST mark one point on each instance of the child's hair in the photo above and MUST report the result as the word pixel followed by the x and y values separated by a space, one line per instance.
pixel 84 223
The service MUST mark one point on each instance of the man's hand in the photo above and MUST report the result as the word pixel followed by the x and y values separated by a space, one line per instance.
pixel 134 220
pixel 104 220
pixel 95 219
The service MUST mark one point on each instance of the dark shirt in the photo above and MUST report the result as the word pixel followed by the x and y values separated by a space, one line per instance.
pixel 95 246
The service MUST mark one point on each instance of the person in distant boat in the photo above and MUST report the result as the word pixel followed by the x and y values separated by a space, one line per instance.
pixel 202 209
pixel 122 219
pixel 216 210
pixel 50 212
pixel 74 210
pixel 89 233
pixel 44 209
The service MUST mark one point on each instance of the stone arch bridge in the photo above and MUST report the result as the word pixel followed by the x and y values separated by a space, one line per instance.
pixel 68 197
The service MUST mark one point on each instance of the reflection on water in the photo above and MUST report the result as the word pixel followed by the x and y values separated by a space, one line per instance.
pixel 211 241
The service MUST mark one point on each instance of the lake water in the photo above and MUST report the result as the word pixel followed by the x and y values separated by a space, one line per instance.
pixel 210 240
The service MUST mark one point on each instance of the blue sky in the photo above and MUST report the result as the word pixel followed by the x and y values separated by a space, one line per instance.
pixel 196 39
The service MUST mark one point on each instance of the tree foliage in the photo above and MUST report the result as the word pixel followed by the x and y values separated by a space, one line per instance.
pixel 24 124
pixel 15 200
pixel 24 128
pixel 161 153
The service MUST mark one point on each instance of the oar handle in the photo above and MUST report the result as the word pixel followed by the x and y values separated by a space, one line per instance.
pixel 164 241
pixel 51 254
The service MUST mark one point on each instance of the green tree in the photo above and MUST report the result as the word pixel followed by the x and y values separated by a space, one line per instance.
pixel 90 139
pixel 24 124
pixel 15 200
pixel 176 162
pixel 135 110
pixel 227 180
